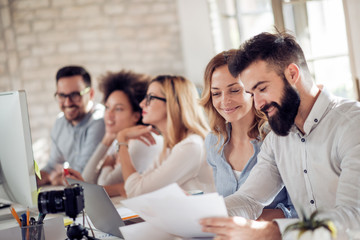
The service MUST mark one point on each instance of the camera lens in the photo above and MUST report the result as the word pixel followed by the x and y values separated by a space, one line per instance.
pixel 70 201
pixel 51 202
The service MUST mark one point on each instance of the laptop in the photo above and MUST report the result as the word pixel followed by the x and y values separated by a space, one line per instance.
pixel 101 210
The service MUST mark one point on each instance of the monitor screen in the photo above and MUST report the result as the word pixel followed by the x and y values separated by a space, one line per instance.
pixel 17 175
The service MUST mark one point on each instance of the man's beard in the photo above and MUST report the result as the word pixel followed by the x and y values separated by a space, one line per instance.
pixel 282 121
pixel 77 115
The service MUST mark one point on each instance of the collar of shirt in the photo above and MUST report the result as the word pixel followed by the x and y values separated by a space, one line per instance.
pixel 321 107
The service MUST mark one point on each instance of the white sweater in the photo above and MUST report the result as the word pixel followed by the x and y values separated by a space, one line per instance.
pixel 185 164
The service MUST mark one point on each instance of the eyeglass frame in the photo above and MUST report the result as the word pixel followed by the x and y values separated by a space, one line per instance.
pixel 148 98
pixel 71 95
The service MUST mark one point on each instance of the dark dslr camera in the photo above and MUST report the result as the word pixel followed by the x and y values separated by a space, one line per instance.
pixel 70 200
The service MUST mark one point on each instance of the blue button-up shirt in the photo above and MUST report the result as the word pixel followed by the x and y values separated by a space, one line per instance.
pixel 76 144
pixel 227 183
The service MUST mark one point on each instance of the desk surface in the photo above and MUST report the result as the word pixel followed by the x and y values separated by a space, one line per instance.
pixel 11 222
pixel 8 221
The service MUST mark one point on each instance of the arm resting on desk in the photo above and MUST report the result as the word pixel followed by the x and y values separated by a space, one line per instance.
pixel 234 227
pixel 115 190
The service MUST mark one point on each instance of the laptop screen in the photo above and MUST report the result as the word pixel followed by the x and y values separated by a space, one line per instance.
pixel 100 209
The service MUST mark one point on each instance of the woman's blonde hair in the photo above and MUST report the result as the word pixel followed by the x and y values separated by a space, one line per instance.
pixel 184 113
pixel 217 122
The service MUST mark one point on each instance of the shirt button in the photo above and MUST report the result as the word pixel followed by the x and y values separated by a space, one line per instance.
pixel 305 171
pixel 312 201
pixel 316 120
pixel 303 139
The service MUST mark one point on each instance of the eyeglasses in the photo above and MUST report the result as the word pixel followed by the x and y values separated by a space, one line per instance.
pixel 74 96
pixel 149 97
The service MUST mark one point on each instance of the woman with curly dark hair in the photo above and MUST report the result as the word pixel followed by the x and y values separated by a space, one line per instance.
pixel 123 91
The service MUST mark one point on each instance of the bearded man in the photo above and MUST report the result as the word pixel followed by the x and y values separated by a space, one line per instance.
pixel 78 129
pixel 313 149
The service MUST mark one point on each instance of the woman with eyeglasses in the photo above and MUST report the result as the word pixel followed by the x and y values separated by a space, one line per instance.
pixel 123 91
pixel 170 107
pixel 238 130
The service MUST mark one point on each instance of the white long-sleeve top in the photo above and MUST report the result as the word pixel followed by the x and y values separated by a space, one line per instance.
pixel 141 155
pixel 320 169
pixel 184 164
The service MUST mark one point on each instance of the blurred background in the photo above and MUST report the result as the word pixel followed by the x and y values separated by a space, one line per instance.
pixel 37 37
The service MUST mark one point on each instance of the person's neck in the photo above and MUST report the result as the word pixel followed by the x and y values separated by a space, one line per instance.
pixel 162 129
pixel 307 101
pixel 240 128
pixel 76 122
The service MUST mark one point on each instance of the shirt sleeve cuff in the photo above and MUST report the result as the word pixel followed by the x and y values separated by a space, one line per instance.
pixel 285 210
pixel 282 224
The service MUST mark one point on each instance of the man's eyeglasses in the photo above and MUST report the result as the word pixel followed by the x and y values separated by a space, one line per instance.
pixel 74 96
pixel 149 97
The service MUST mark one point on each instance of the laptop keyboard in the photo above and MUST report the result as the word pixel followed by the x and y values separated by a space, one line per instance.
pixel 133 221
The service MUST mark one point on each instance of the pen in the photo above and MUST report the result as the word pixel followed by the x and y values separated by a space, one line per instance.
pixel 27 217
pixel 13 212
pixel 23 219
pixel 130 217
pixel 41 218
pixel 66 168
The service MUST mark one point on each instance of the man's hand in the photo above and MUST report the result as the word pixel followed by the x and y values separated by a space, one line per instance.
pixel 241 228
pixel 71 173
pixel 56 178
pixel 44 179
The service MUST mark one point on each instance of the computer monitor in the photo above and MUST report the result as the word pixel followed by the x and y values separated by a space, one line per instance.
pixel 17 175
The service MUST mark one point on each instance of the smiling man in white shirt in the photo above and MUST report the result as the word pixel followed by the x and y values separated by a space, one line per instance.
pixel 314 148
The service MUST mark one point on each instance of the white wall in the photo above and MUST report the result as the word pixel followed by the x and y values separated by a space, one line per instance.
pixel 37 37
pixel 196 38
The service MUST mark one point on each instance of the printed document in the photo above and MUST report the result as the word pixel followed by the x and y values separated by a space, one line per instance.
pixel 170 210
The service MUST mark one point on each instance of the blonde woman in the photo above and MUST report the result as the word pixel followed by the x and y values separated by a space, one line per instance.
pixel 237 133
pixel 170 106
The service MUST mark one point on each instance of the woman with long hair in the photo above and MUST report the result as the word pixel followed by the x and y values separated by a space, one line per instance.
pixel 170 107
pixel 237 133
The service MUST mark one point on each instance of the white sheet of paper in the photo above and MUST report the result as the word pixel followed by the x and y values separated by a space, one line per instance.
pixel 125 212
pixel 171 210
pixel 144 230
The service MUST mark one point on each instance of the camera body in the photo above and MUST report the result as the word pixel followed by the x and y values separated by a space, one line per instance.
pixel 70 200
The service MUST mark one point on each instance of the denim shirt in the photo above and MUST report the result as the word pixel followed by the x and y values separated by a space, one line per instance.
pixel 225 179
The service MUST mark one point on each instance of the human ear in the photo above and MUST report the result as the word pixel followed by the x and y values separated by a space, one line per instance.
pixel 292 73
pixel 91 93
pixel 136 117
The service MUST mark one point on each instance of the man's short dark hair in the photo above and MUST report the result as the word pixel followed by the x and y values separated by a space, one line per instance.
pixel 69 71
pixel 278 50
